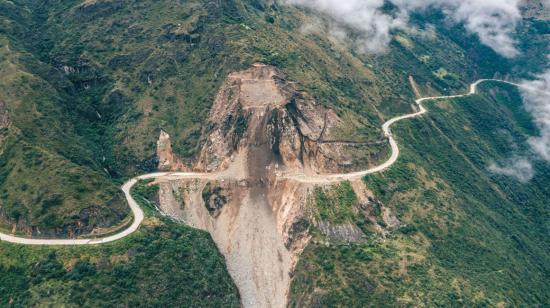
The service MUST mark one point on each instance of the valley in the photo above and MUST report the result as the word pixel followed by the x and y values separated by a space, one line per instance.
pixel 253 228
pixel 274 153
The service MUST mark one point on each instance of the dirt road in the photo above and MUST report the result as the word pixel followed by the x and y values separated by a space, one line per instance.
pixel 386 127
pixel 299 177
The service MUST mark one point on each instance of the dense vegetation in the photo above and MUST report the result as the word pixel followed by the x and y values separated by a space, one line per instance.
pixel 164 264
pixel 468 237
pixel 89 84
pixel 92 82
pixel 335 205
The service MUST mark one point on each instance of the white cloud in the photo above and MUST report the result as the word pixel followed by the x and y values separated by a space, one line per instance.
pixel 494 21
pixel 519 168
pixel 364 16
pixel 536 96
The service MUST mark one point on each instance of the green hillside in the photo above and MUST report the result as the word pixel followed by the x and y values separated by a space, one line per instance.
pixel 89 84
pixel 163 264
pixel 92 83
pixel 469 238
pixel 110 76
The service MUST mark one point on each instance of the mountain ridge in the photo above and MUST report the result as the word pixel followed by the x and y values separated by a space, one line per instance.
pixel 88 88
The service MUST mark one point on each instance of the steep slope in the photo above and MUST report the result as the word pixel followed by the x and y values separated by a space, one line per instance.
pixel 467 236
pixel 123 71
pixel 50 181
pixel 88 86
pixel 259 127
pixel 163 264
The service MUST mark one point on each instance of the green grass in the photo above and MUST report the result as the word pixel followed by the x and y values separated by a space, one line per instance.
pixel 471 238
pixel 335 205
pixel 162 264
pixel 49 181
pixel 152 65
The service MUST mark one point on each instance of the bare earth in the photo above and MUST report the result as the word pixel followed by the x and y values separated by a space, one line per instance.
pixel 265 189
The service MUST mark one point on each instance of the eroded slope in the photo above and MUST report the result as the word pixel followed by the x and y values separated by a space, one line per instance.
pixel 259 127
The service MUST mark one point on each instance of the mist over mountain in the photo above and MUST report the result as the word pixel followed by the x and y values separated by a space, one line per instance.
pixel 262 153
pixel 494 22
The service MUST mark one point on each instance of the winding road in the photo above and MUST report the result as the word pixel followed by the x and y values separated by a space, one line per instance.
pixel 299 177
pixel 334 178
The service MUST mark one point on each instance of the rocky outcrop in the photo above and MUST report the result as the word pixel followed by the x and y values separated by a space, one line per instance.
pixel 215 198
pixel 171 201
pixel 347 232
pixel 293 125
pixel 167 161
pixel 381 218
pixel 259 126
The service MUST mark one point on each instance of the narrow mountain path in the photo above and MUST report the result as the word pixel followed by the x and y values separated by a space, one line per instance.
pixel 339 177
pixel 299 177
pixel 137 212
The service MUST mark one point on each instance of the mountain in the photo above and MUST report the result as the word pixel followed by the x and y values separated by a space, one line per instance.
pixel 95 92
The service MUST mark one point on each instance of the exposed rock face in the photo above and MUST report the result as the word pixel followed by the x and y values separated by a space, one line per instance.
pixel 255 232
pixel 259 126
pixel 383 219
pixel 258 105
pixel 167 160
pixel 343 233
pixel 171 201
